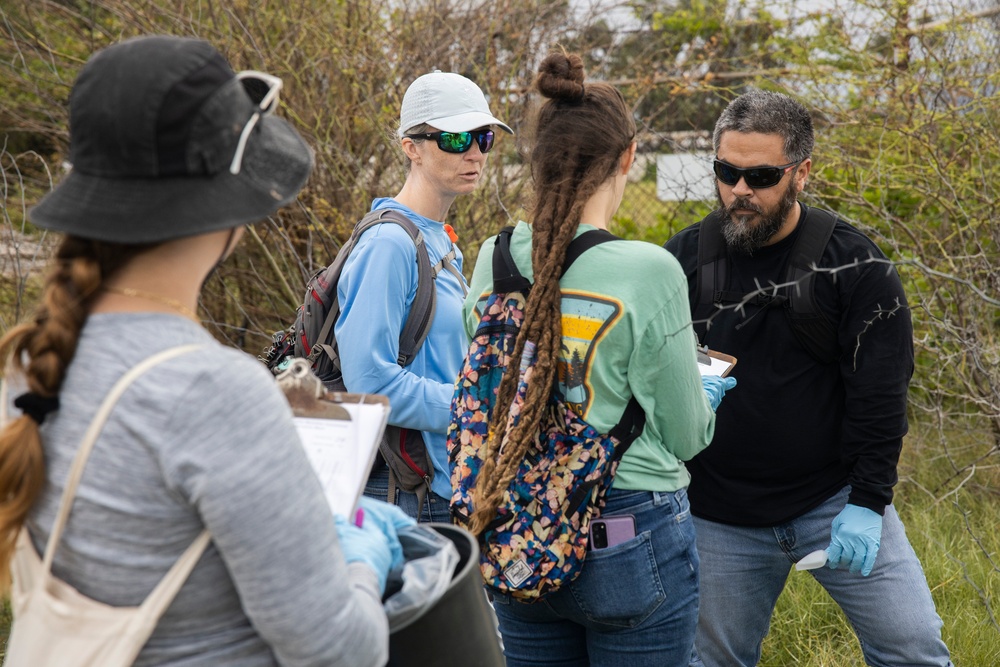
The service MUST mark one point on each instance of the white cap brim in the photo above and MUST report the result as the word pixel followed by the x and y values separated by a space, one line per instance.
pixel 463 123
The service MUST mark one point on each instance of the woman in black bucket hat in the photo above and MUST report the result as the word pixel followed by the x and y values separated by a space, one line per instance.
pixel 172 155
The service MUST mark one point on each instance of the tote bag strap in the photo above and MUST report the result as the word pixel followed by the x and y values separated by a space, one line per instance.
pixel 161 596
pixel 90 437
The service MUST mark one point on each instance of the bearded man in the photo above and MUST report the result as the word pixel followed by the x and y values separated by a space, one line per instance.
pixel 805 450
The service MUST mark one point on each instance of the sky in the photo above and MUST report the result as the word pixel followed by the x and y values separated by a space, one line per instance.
pixel 618 13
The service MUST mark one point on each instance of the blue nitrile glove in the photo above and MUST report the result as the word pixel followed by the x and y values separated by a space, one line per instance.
pixel 390 520
pixel 854 539
pixel 716 387
pixel 367 544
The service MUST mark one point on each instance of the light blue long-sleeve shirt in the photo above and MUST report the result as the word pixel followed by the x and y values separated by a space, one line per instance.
pixel 376 290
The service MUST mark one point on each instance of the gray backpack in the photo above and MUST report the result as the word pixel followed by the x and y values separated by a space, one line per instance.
pixel 312 337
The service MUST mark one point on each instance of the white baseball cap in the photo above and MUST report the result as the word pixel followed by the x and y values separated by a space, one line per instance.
pixel 447 101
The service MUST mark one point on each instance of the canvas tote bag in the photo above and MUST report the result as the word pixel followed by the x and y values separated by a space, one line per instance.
pixel 56 626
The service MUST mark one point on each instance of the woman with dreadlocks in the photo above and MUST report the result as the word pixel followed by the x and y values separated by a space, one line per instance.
pixel 616 325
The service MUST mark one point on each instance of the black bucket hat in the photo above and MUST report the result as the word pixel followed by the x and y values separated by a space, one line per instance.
pixel 158 126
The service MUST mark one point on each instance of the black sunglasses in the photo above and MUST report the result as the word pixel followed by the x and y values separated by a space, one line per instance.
pixel 459 142
pixel 755 177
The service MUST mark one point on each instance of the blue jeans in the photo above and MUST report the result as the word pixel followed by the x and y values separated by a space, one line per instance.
pixel 633 605
pixel 743 570
pixel 435 509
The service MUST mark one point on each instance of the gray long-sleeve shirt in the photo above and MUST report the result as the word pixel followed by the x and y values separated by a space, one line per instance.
pixel 205 440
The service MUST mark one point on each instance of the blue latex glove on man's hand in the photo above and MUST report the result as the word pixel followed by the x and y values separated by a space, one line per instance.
pixel 854 539
pixel 716 387
pixel 375 542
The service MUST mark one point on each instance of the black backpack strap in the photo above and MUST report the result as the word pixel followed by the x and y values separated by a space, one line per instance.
pixel 626 431
pixel 810 326
pixel 629 427
pixel 507 277
pixel 711 272
pixel 583 243
pixel 816 333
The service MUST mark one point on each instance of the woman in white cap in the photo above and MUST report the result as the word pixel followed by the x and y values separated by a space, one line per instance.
pixel 172 155
pixel 446 130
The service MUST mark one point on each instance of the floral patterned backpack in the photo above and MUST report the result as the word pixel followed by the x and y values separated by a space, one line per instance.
pixel 538 540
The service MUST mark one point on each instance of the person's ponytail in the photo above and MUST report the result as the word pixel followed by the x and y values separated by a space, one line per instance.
pixel 41 351
pixel 580 134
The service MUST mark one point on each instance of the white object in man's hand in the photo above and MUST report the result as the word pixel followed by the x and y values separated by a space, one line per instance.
pixel 812 561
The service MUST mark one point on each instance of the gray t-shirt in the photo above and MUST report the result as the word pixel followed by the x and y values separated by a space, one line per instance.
pixel 205 440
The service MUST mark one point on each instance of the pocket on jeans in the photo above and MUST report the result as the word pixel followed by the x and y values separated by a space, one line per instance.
pixel 620 586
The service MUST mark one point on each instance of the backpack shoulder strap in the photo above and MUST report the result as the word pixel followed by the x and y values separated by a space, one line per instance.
pixel 629 427
pixel 711 271
pixel 583 243
pixel 421 315
pixel 816 333
pixel 507 277
pixel 811 328
pixel 626 431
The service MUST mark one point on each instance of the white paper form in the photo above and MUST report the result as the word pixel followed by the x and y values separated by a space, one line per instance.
pixel 715 367
pixel 341 451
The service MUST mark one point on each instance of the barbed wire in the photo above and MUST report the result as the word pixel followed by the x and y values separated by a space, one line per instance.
pixel 772 289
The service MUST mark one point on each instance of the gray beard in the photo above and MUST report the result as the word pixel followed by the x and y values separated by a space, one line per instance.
pixel 742 236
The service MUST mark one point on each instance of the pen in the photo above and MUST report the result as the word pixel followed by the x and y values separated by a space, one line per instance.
pixel 359 517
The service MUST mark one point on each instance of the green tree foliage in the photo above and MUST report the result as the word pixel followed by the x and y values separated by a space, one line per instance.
pixel 909 151
pixel 345 65
pixel 906 110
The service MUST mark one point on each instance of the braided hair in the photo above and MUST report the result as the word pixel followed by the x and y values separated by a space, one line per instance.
pixel 580 133
pixel 41 351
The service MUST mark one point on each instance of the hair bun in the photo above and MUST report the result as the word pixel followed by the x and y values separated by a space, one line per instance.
pixel 560 77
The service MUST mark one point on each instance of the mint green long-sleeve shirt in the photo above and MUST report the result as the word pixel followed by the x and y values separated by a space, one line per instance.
pixel 626 327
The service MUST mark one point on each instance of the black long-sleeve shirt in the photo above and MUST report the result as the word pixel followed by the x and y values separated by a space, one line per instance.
pixel 794 431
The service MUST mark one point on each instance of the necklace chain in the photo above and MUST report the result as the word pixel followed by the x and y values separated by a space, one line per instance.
pixel 153 296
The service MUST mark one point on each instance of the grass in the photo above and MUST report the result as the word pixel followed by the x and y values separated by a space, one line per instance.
pixel 958 545
pixel 954 535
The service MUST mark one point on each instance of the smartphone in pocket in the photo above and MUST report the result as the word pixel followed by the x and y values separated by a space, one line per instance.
pixel 610 531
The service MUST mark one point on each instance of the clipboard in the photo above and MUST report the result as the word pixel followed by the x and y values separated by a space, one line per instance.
pixel 711 362
pixel 340 433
